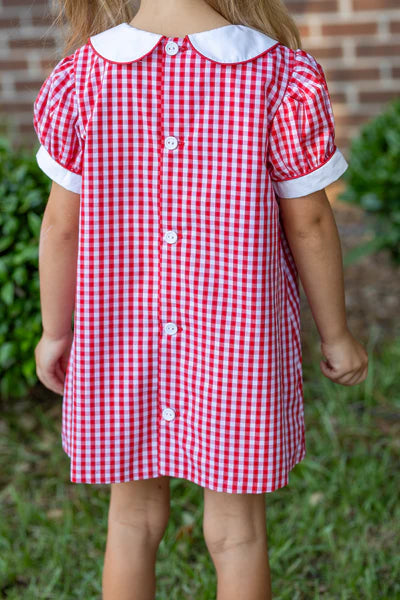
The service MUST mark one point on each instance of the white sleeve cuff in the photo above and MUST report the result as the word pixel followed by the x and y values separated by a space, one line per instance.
pixel 314 181
pixel 69 180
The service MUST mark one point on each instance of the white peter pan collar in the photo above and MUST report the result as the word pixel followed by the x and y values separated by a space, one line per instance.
pixel 227 44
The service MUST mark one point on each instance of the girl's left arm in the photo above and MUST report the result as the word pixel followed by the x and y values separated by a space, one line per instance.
pixel 58 252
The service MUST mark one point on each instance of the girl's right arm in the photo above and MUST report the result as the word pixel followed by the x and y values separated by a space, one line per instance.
pixel 313 238
pixel 58 252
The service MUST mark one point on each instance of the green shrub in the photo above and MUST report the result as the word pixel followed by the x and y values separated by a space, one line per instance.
pixel 373 179
pixel 24 190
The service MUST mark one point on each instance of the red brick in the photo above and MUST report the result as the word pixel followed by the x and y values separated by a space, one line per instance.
pixel 312 6
pixel 375 4
pixel 304 30
pixel 378 50
pixel 24 3
pixel 45 42
pixel 396 72
pixel 349 120
pixel 378 96
pixel 342 141
pixel 28 86
pixel 44 19
pixel 48 64
pixel 352 74
pixel 349 28
pixel 337 97
pixel 395 27
pixel 9 22
pixel 13 65
pixel 16 107
pixel 321 53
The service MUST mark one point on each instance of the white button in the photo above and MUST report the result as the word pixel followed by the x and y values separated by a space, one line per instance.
pixel 170 328
pixel 171 237
pixel 171 142
pixel 168 414
pixel 171 48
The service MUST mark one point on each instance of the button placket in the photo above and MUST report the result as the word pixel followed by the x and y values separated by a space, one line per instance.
pixel 168 209
pixel 170 328
pixel 171 48
pixel 170 237
pixel 171 142
pixel 168 414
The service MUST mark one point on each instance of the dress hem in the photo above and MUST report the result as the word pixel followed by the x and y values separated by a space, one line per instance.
pixel 299 457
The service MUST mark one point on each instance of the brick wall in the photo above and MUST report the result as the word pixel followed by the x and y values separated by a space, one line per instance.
pixel 358 44
pixel 356 41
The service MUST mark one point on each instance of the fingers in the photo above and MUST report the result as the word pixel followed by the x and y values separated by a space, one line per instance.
pixel 51 379
pixel 352 378
pixel 349 378
pixel 52 359
pixel 60 372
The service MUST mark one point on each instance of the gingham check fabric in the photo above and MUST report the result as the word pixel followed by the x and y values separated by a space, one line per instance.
pixel 186 359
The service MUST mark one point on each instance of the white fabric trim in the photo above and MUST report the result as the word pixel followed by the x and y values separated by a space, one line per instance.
pixel 69 180
pixel 231 43
pixel 124 43
pixel 227 44
pixel 314 181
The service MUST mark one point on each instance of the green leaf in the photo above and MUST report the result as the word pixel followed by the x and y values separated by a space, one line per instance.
pixel 373 179
pixel 29 369
pixel 7 355
pixel 27 254
pixel 3 267
pixel 6 242
pixel 20 275
pixel 10 226
pixel 7 293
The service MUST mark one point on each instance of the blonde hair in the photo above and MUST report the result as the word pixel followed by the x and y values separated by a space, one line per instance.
pixel 93 16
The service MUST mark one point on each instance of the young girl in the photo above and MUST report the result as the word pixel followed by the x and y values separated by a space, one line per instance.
pixel 189 149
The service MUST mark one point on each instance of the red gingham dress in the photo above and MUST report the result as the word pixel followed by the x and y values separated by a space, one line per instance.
pixel 186 357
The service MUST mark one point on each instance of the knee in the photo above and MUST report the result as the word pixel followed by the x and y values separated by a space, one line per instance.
pixel 224 534
pixel 141 509
pixel 147 523
pixel 231 520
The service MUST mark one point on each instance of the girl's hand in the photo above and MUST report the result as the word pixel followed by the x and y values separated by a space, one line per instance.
pixel 52 357
pixel 347 360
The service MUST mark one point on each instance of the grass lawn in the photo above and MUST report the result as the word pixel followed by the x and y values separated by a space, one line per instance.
pixel 333 532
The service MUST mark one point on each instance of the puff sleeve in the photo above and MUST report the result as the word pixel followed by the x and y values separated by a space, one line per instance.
pixel 302 156
pixel 57 125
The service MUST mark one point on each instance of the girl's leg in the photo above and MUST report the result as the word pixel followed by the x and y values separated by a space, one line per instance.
pixel 235 532
pixel 137 519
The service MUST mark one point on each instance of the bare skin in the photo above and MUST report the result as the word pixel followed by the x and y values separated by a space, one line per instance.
pixel 177 17
pixel 314 241
pixel 137 518
pixel 58 251
pixel 234 525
